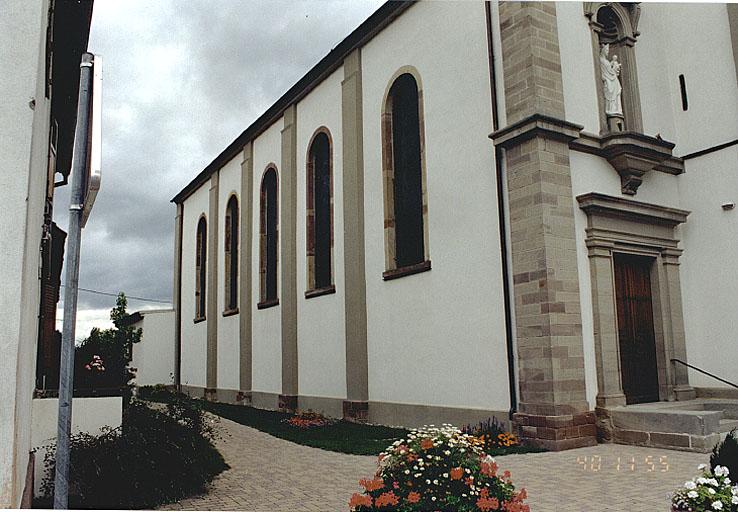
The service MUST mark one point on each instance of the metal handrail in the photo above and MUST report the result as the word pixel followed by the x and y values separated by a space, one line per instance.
pixel 705 372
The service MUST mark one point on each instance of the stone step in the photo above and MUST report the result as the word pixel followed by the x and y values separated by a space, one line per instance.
pixel 726 425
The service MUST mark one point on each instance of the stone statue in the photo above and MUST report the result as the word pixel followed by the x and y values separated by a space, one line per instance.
pixel 610 72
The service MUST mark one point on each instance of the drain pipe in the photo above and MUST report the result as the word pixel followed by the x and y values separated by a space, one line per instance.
pixel 502 198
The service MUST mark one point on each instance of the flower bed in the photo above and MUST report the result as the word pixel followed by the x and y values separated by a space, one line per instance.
pixel 710 492
pixel 439 469
pixel 308 419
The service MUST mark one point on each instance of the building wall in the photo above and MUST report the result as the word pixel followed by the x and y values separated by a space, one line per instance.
pixel 320 320
pixel 266 323
pixel 709 278
pixel 153 356
pixel 438 337
pixel 228 326
pixel 23 153
pixel 194 335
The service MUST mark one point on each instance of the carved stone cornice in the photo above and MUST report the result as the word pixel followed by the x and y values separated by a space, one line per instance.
pixel 632 154
pixel 537 125
pixel 603 205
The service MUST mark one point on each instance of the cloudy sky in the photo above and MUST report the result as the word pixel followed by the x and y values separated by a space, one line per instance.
pixel 181 81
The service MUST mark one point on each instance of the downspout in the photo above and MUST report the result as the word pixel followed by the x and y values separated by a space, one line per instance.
pixel 503 219
pixel 179 235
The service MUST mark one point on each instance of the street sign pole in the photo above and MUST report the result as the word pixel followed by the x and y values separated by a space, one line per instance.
pixel 66 373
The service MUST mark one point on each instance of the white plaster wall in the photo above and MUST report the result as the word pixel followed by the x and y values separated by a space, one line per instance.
pixel 577 66
pixel 266 324
pixel 228 326
pixel 88 415
pixel 153 356
pixel 708 275
pixel 438 338
pixel 23 153
pixel 693 40
pixel 194 335
pixel 320 323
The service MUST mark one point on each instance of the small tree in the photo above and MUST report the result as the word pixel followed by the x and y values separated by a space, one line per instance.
pixel 102 359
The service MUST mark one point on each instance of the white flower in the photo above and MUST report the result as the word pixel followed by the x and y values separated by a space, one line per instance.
pixel 717 505
pixel 447 453
pixel 734 500
pixel 407 471
pixel 427 482
pixel 435 482
pixel 702 467
pixel 417 475
pixel 692 494
pixel 433 498
pixel 713 482
pixel 711 490
pixel 721 471
pixel 702 481
pixel 690 485
pixel 445 475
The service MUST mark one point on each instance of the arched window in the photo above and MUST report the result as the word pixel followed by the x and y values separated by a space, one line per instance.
pixel 319 213
pixel 268 239
pixel 201 252
pixel 406 207
pixel 231 254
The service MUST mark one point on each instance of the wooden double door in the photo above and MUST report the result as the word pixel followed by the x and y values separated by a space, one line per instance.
pixel 638 365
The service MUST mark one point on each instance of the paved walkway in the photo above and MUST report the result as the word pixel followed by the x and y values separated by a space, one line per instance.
pixel 272 475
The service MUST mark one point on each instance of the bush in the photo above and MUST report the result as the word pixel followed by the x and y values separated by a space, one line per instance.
pixel 710 492
pixel 726 454
pixel 440 469
pixel 156 457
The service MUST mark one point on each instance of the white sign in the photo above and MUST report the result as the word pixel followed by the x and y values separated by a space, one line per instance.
pixel 94 170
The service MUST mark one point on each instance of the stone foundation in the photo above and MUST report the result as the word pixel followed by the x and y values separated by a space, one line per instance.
pixel 356 411
pixel 557 433
pixel 288 403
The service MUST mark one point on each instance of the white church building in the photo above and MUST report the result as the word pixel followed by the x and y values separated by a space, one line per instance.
pixel 471 209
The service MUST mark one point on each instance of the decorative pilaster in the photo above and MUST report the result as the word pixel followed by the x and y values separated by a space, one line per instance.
pixel 355 406
pixel 177 294
pixel 554 412
pixel 211 307
pixel 244 272
pixel 288 259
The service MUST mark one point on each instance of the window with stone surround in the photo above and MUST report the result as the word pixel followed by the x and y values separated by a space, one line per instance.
pixel 320 215
pixel 231 256
pixel 404 183
pixel 201 252
pixel 268 238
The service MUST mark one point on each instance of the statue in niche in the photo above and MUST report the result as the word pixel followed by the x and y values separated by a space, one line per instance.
pixel 610 72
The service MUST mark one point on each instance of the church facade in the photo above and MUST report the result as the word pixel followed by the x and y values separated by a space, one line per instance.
pixel 470 209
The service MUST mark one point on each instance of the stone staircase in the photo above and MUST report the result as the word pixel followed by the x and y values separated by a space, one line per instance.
pixel 690 425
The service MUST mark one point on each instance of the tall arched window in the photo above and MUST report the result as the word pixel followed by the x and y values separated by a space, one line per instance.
pixel 268 239
pixel 319 214
pixel 201 252
pixel 231 255
pixel 406 207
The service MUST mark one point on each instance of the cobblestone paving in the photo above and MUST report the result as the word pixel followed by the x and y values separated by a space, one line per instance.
pixel 272 475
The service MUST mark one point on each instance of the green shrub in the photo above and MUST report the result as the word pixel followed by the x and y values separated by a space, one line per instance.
pixel 726 454
pixel 158 456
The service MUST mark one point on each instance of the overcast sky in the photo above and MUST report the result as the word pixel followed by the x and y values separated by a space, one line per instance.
pixel 181 80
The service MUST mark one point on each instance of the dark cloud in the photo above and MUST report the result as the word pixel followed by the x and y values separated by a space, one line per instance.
pixel 181 81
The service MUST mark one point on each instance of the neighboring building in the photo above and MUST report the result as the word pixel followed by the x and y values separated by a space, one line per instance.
pixel 153 357
pixel 470 209
pixel 41 41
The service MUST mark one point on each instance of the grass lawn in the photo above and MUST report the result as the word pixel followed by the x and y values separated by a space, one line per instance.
pixel 341 436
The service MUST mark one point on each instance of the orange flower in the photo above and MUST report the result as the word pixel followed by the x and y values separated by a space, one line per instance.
pixel 371 485
pixel 426 444
pixel 489 469
pixel 413 497
pixel 456 473
pixel 506 475
pixel 523 494
pixel 386 499
pixel 486 503
pixel 360 500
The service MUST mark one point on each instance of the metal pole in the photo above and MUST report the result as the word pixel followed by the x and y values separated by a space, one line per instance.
pixel 71 282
